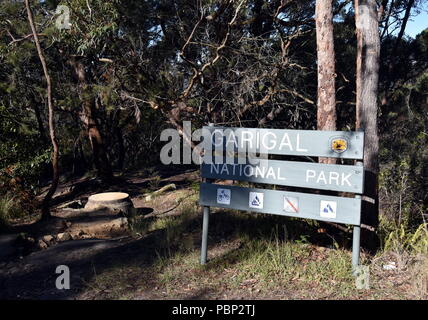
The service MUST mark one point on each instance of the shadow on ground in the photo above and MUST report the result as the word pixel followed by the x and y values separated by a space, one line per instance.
pixel 34 276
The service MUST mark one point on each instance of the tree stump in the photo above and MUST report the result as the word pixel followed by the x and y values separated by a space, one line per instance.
pixel 117 201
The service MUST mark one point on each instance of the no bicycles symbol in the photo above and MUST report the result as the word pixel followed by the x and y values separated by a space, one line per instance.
pixel 223 196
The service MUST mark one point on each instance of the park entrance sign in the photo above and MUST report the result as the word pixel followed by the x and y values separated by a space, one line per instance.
pixel 244 154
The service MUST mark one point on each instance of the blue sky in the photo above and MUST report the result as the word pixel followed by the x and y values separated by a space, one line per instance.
pixel 416 24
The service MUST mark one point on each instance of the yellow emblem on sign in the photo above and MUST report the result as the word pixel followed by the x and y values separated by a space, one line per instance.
pixel 339 145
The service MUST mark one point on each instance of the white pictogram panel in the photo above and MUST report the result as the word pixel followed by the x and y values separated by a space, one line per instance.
pixel 223 196
pixel 256 200
pixel 291 204
pixel 328 209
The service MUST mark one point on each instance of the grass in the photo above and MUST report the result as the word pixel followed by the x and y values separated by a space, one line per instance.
pixel 262 266
pixel 185 204
pixel 9 209
pixel 409 250
pixel 255 256
pixel 249 254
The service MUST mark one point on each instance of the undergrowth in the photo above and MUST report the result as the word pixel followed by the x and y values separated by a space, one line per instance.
pixel 9 209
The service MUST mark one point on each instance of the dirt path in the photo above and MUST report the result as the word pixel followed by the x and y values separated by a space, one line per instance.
pixel 28 271
pixel 33 276
pixel 158 257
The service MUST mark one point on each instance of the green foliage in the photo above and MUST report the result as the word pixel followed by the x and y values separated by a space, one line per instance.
pixel 9 209
pixel 20 147
pixel 137 68
pixel 404 154
pixel 402 240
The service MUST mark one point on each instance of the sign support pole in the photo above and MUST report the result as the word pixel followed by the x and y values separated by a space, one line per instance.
pixel 356 247
pixel 205 222
pixel 356 239
pixel 204 248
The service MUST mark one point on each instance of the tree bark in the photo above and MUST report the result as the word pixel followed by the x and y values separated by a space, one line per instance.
pixel 117 130
pixel 395 56
pixel 55 153
pixel 326 102
pixel 88 118
pixel 368 50
pixel 403 26
pixel 121 157
pixel 79 162
pixel 37 113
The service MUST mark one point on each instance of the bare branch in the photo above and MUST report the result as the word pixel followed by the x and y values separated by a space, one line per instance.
pixel 198 73
pixel 28 36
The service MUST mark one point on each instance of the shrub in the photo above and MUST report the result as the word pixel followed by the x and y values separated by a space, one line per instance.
pixel 9 209
pixel 400 240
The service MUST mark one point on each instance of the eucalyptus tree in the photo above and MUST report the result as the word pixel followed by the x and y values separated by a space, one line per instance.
pixel 326 94
pixel 52 131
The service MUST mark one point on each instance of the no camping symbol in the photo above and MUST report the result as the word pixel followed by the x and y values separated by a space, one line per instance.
pixel 291 204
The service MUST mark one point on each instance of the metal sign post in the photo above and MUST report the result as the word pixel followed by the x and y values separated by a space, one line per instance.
pixel 223 160
pixel 205 235
pixel 356 235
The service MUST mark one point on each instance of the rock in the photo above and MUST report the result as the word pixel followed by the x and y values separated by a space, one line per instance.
pixel 104 227
pixel 390 266
pixel 75 235
pixel 31 239
pixel 65 236
pixel 48 238
pixel 42 245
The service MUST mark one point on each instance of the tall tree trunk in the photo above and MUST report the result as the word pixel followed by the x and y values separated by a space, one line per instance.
pixel 368 50
pixel 118 135
pixel 403 26
pixel 37 113
pixel 88 118
pixel 79 162
pixel 55 154
pixel 101 160
pixel 326 103
pixel 395 56
pixel 121 157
